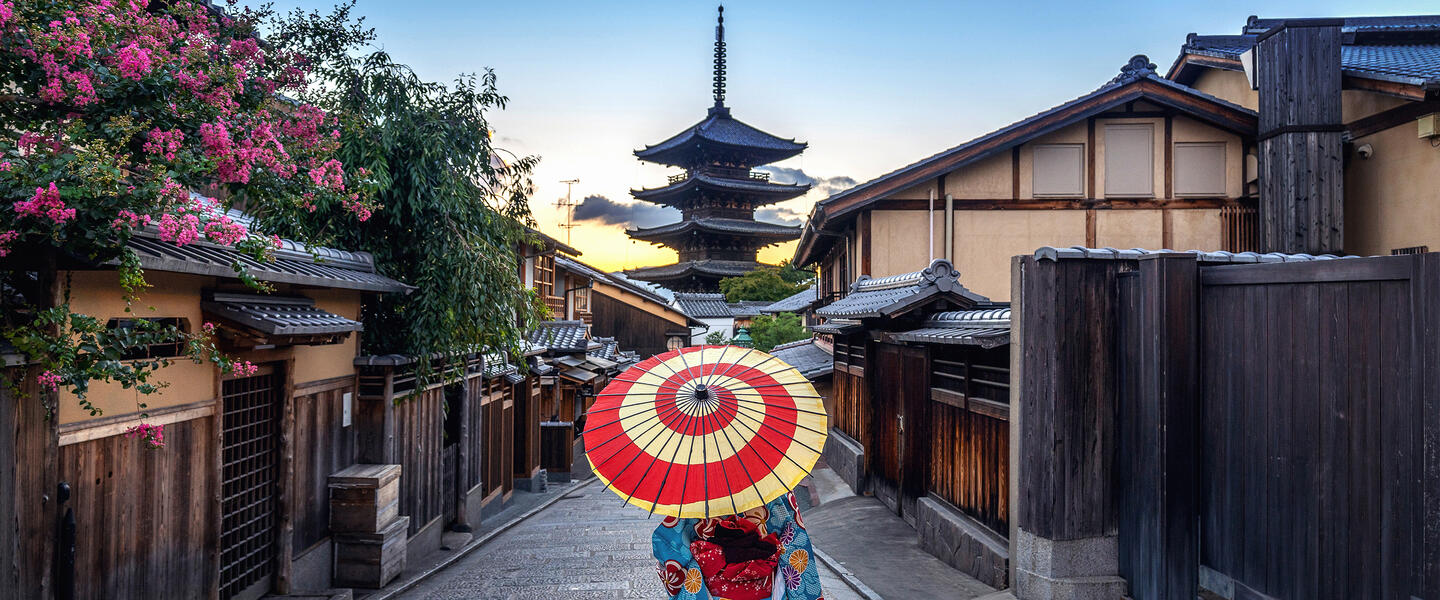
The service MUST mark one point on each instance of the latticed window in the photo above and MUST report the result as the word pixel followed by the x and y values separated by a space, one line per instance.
pixel 1240 229
pixel 545 275
pixel 582 300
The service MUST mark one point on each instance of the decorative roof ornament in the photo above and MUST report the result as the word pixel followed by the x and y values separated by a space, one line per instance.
pixel 1138 68
pixel 720 59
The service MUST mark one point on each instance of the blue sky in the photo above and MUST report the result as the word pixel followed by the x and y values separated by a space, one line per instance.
pixel 872 86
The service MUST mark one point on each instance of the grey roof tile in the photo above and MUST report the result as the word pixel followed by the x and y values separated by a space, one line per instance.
pixel 807 357
pixel 561 336
pixel 718 225
pixel 292 263
pixel 796 303
pixel 895 295
pixel 720 128
pixel 1081 252
pixel 839 326
pixel 766 191
pixel 986 328
pixel 276 315
pixel 702 305
pixel 722 268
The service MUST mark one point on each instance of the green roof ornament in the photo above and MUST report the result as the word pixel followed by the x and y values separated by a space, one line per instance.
pixel 743 339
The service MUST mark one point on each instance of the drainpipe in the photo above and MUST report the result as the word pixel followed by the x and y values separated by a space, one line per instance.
pixel 930 222
pixel 950 228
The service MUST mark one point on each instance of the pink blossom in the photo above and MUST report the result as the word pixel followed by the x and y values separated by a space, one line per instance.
pixel 130 219
pixel 7 238
pixel 182 230
pixel 164 143
pixel 245 368
pixel 6 166
pixel 134 61
pixel 152 435
pixel 49 380
pixel 46 202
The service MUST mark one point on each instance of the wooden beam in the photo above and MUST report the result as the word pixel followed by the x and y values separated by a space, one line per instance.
pixel 94 429
pixel 1167 229
pixel 864 226
pixel 1090 228
pixel 1090 159
pixel 1395 117
pixel 1389 88
pixel 1015 173
pixel 1074 203
pixel 1169 156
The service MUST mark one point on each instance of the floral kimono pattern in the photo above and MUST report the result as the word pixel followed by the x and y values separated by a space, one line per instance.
pixel 735 558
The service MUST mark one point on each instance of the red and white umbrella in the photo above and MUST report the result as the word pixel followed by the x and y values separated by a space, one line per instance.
pixel 705 431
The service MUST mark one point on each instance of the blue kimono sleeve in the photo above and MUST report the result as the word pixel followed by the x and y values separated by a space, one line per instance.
pixel 797 558
pixel 676 566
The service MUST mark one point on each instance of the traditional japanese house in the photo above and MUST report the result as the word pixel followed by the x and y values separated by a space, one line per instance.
pixel 235 503
pixel 717 194
pixel 800 303
pixel 812 358
pixel 1140 161
pixel 711 311
pixel 920 413
pixel 639 319
pixel 1367 91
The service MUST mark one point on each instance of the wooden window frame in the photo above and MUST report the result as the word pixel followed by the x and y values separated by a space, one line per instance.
pixel 1150 172
pixel 1175 168
pixel 1079 172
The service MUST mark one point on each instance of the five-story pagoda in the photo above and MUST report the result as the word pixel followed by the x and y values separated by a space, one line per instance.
pixel 717 195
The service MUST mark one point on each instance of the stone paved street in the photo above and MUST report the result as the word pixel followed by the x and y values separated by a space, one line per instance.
pixel 587 545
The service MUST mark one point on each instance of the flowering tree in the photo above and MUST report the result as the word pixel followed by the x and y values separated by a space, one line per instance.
pixel 115 112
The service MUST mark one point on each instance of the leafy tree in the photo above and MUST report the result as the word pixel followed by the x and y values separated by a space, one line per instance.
pixel 715 338
pixel 771 331
pixel 454 210
pixel 112 113
pixel 764 283
pixel 791 274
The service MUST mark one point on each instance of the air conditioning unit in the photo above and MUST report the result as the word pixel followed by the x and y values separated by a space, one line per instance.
pixel 1429 125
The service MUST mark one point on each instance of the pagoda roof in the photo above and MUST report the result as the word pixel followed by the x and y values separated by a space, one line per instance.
pixel 737 227
pixel 768 192
pixel 702 268
pixel 719 133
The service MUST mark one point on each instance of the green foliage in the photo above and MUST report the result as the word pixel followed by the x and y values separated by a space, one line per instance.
pixel 771 331
pixel 764 283
pixel 715 338
pixel 453 209
pixel 791 274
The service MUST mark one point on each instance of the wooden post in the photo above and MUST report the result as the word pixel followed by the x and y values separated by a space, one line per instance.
pixel 462 457
pixel 1301 137
pixel 1158 424
pixel 375 437
pixel 30 442
pixel 1065 534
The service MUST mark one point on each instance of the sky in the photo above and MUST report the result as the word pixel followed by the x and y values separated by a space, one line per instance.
pixel 871 86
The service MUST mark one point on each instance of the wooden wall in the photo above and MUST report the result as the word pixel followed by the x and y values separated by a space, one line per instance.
pixel 527 427
pixel 633 328
pixel 492 405
pixel 969 433
pixel 322 446
pixel 419 433
pixel 28 445
pixel 146 519
pixel 851 406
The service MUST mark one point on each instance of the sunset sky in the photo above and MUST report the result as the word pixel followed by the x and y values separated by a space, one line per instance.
pixel 872 86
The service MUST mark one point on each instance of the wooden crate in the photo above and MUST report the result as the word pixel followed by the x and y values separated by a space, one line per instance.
pixel 371 560
pixel 364 498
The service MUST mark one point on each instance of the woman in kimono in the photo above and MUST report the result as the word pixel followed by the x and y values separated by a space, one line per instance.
pixel 760 554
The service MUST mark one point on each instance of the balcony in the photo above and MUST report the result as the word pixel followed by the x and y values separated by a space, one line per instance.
pixel 724 172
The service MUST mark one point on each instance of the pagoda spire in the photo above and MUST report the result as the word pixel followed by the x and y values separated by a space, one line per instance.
pixel 720 59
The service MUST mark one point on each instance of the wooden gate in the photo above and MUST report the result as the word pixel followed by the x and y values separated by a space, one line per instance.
pixel 899 392
pixel 250 475
pixel 1314 414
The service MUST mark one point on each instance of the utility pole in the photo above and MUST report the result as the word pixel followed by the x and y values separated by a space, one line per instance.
pixel 568 206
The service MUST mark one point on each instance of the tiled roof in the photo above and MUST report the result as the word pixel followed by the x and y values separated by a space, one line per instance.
pixel 748 308
pixel 1402 49
pixel 577 267
pixel 609 348
pixel 496 365
pixel 1077 252
pixel 703 305
pixel 839 326
pixel 895 295
pixel 986 328
pixel 744 227
pixel 717 268
pixel 293 263
pixel 760 192
pixel 277 315
pixel 721 130
pixel 1137 79
pixel 561 336
pixel 807 357
pixel 802 300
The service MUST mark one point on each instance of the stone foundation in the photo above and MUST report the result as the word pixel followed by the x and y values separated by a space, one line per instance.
pixel 1082 569
pixel 846 457
pixel 961 542
pixel 534 484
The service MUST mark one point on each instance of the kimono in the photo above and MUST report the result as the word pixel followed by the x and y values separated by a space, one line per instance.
pixel 737 557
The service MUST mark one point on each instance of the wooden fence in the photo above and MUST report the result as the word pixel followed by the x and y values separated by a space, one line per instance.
pixel 970 432
pixel 1274 426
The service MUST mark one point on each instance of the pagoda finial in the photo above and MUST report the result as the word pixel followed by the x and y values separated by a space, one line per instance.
pixel 720 59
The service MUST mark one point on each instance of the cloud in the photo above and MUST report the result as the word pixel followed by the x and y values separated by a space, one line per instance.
pixel 827 185
pixel 639 214
pixel 779 214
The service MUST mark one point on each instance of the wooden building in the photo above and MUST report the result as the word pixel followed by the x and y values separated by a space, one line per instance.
pixel 1369 92
pixel 235 504
pixel 635 316
pixel 920 413
pixel 1142 161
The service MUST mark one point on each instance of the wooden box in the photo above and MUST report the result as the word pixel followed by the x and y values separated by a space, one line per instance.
pixel 364 498
pixel 371 560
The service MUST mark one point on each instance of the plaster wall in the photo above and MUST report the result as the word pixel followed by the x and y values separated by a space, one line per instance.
pixel 986 239
pixel 1391 200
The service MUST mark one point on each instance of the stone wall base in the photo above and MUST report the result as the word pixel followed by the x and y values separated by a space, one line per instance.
pixel 961 542
pixel 311 570
pixel 846 457
pixel 533 484
pixel 1082 569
